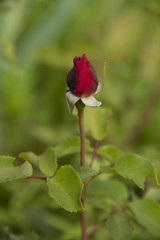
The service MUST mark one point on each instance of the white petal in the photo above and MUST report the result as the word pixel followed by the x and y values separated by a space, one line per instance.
pixel 91 102
pixel 71 100
pixel 100 84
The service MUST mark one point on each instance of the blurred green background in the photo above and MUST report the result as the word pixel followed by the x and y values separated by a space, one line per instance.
pixel 38 40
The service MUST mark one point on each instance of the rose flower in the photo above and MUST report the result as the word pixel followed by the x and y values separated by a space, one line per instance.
pixel 82 82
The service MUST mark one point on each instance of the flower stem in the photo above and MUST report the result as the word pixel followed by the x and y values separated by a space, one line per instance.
pixel 82 164
pixel 82 136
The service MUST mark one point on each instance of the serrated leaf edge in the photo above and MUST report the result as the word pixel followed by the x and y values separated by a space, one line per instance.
pixel 16 178
pixel 64 191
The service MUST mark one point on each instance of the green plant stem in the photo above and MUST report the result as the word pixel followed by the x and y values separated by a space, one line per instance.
pixel 82 164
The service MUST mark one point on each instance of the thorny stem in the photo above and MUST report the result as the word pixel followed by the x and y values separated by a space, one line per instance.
pixel 82 164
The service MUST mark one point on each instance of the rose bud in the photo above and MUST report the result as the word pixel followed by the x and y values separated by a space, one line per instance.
pixel 82 78
pixel 82 82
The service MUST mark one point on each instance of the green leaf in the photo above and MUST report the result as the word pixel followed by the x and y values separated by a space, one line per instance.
pixel 132 167
pixel 118 227
pixel 6 161
pixel 70 146
pixel 96 121
pixel 48 162
pixel 110 152
pixel 113 189
pixel 66 188
pixel 30 157
pixel 147 213
pixel 8 172
pixel 108 170
pixel 153 193
pixel 135 168
pixel 86 172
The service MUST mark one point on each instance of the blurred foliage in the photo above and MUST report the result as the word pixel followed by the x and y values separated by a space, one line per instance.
pixel 38 40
